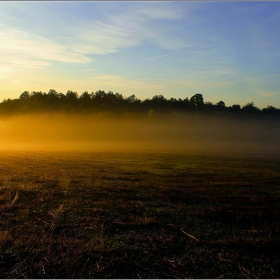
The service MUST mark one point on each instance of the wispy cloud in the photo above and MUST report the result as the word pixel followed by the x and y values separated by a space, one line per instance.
pixel 132 28
pixel 153 11
pixel 270 94
pixel 259 78
pixel 160 56
pixel 220 72
pixel 23 49
pixel 202 85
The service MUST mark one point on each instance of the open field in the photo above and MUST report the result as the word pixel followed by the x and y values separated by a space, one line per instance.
pixel 139 215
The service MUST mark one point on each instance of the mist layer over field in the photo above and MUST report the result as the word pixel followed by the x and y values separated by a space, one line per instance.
pixel 166 132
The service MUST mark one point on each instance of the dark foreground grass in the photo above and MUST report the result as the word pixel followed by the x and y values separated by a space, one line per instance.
pixel 125 215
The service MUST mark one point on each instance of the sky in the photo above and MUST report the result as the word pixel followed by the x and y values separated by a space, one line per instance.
pixel 227 51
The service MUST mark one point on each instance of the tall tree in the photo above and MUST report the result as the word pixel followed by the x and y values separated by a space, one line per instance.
pixel 197 100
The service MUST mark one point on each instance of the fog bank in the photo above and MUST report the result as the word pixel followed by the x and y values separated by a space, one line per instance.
pixel 166 132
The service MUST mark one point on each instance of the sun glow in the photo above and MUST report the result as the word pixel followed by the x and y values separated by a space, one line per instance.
pixel 151 132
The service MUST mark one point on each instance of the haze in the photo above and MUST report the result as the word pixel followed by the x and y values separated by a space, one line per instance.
pixel 160 133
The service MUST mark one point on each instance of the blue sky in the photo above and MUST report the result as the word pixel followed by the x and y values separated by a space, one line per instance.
pixel 226 51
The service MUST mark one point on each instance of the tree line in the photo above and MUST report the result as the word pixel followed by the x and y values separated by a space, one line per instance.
pixel 100 101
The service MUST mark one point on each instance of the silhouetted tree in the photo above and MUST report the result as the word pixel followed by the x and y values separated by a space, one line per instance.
pixel 235 108
pixel 270 110
pixel 250 108
pixel 131 98
pixel 158 100
pixel 209 106
pixel 99 95
pixel 188 104
pixel 36 94
pixel 61 96
pixel 221 104
pixel 72 95
pixel 52 93
pixel 118 96
pixel 24 95
pixel 197 100
pixel 85 96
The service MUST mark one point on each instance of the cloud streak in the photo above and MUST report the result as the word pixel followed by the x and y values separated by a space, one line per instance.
pixel 22 49
pixel 160 56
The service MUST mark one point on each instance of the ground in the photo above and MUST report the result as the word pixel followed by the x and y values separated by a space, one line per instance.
pixel 139 215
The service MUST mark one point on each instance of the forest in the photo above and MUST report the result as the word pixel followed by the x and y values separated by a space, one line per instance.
pixel 100 101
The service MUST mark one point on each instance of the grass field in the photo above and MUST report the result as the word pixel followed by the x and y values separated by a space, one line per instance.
pixel 139 215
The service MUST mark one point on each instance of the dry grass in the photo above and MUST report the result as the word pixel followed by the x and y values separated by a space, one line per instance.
pixel 129 215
